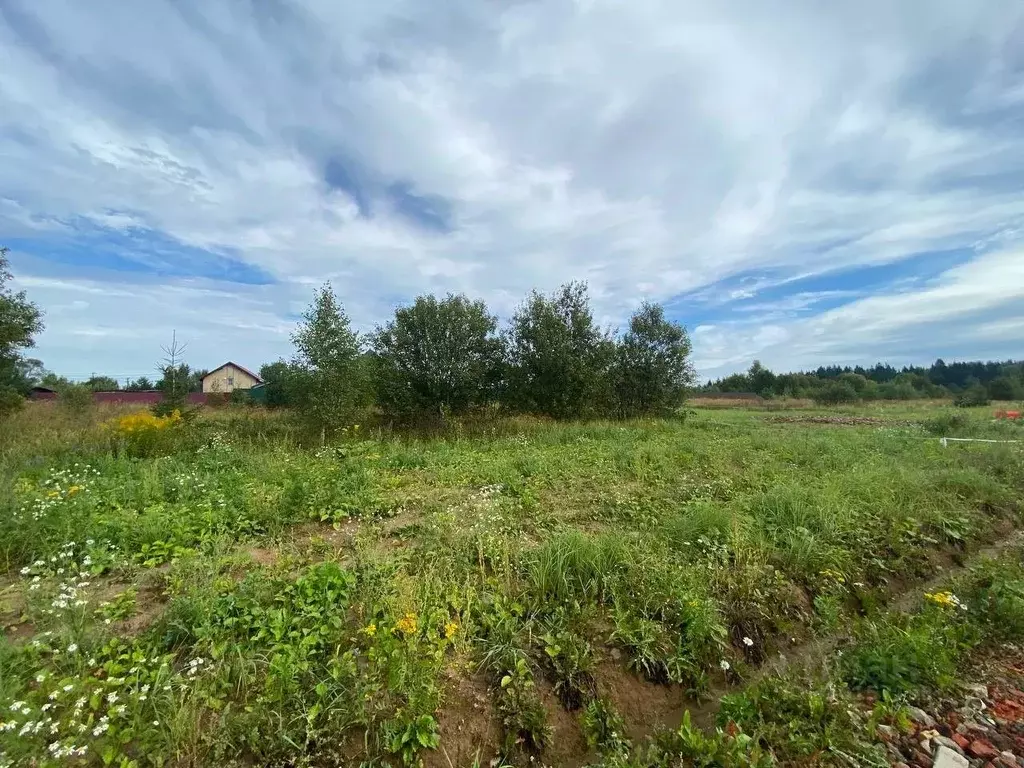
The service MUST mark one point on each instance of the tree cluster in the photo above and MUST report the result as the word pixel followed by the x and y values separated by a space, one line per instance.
pixel 20 321
pixel 444 357
pixel 835 384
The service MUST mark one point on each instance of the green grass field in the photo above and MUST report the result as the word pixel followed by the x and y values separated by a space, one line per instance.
pixel 212 593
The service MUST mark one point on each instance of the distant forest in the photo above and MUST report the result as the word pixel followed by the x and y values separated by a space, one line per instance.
pixel 969 382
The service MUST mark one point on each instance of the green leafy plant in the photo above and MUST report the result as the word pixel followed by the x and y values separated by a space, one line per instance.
pixel 409 738
pixel 571 659
pixel 603 728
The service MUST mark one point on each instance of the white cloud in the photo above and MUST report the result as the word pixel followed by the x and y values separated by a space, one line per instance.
pixel 948 313
pixel 650 147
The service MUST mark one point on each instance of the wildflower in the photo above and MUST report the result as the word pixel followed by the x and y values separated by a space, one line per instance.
pixel 946 600
pixel 100 729
pixel 156 722
pixel 17 705
pixel 68 687
pixel 748 642
pixel 370 630
pixel 450 628
pixel 26 571
pixel 725 665
pixel 407 624
pixel 73 647
pixel 120 710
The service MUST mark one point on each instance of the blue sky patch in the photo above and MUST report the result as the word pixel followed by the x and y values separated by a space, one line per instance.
pixel 139 252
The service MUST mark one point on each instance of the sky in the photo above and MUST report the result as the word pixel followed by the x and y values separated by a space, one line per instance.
pixel 804 183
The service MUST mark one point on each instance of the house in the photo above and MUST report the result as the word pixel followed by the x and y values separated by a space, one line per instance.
pixel 42 393
pixel 229 377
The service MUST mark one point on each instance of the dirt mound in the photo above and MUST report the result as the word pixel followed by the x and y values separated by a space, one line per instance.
pixel 838 420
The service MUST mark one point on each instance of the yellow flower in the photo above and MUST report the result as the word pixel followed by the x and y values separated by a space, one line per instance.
pixel 74 489
pixel 829 573
pixel 370 630
pixel 53 494
pixel 407 624
pixel 450 628
pixel 945 599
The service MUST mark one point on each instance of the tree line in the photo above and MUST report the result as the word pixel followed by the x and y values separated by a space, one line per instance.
pixel 439 358
pixel 970 383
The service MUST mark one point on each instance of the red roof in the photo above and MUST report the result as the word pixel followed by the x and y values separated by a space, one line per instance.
pixel 242 368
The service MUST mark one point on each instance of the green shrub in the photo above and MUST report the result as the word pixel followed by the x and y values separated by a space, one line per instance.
pixel 804 720
pixel 836 392
pixel 905 654
pixel 946 424
pixel 972 396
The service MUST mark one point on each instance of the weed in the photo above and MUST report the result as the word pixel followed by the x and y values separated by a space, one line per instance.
pixel 603 728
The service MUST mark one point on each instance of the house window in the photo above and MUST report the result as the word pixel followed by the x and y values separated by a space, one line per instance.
pixel 231 381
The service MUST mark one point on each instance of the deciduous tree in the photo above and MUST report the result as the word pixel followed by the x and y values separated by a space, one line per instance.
pixel 652 367
pixel 559 360
pixel 20 321
pixel 437 356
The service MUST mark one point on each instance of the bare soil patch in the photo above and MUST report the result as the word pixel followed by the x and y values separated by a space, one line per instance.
pixel 468 723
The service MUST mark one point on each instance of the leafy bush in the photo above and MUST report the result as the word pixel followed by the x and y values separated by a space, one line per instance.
pixel 559 361
pixel 972 396
pixel 652 364
pixel 835 393
pixel 437 357
pixel 571 660
pixel 946 424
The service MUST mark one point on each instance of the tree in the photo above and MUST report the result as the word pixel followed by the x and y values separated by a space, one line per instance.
pixel 57 383
pixel 141 384
pixel 279 382
pixel 762 380
pixel 102 384
pixel 836 392
pixel 331 384
pixel 26 373
pixel 652 366
pixel 1005 388
pixel 437 356
pixel 559 361
pixel 20 321
pixel 174 383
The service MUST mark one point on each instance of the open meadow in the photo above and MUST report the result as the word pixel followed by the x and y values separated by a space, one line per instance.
pixel 736 586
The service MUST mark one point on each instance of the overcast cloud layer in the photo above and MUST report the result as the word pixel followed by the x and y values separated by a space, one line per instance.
pixel 802 182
